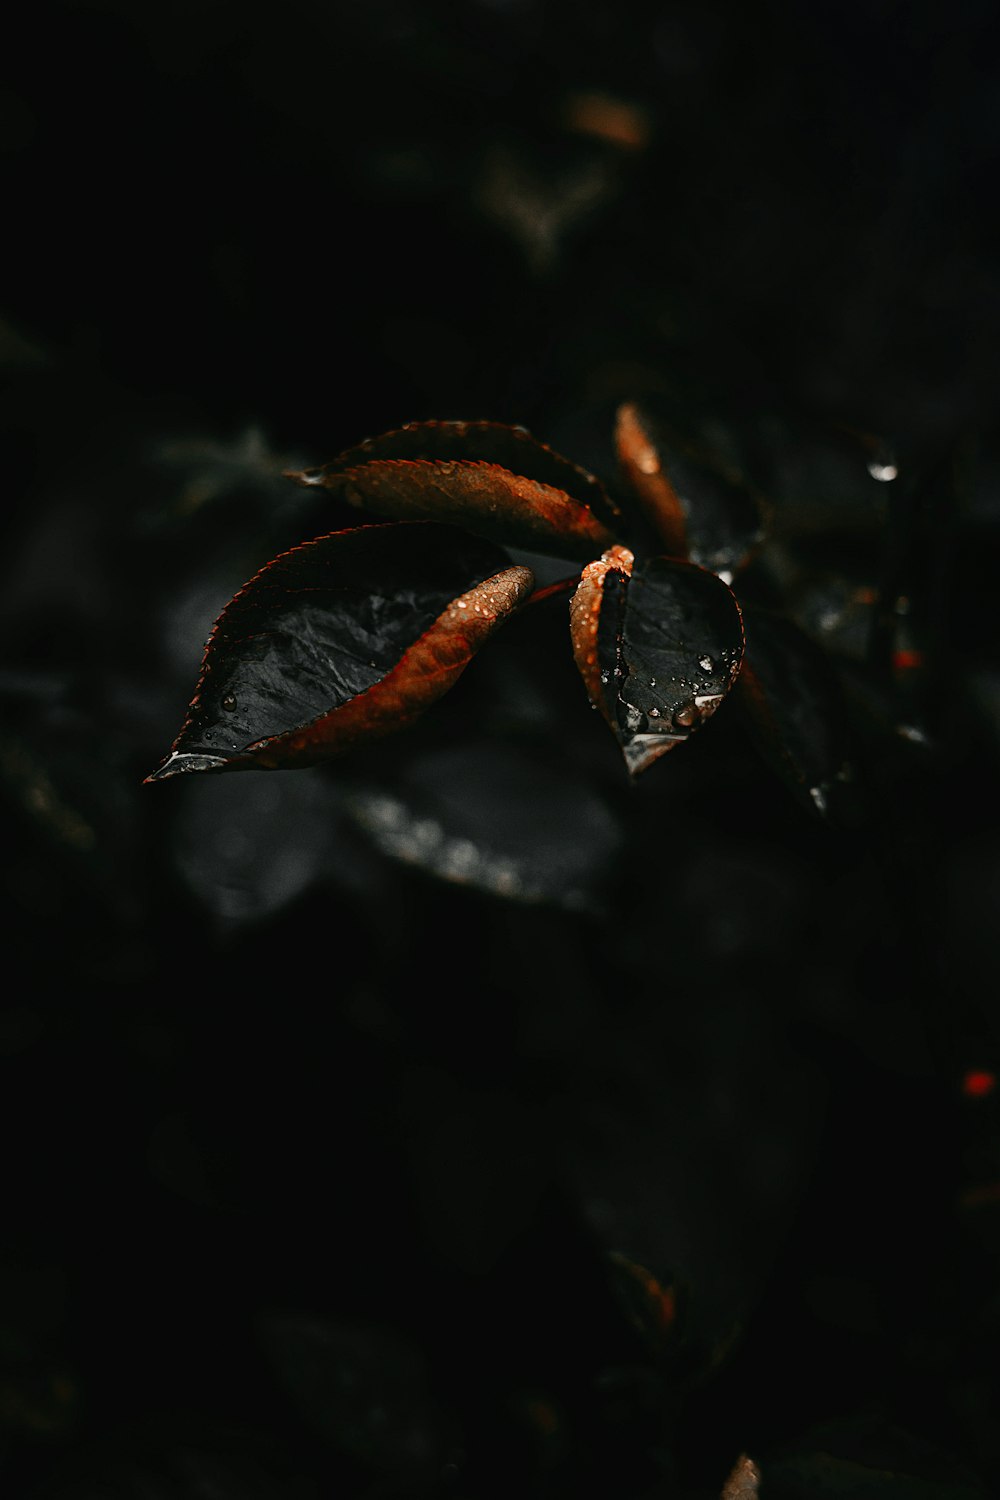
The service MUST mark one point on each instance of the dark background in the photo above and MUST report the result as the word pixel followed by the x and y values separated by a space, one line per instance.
pixel 349 1113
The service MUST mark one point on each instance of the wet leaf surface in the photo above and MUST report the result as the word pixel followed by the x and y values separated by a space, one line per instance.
pixel 342 639
pixel 510 448
pixel 828 478
pixel 509 820
pixel 794 703
pixel 698 509
pixel 658 648
pixel 495 481
pixel 745 1067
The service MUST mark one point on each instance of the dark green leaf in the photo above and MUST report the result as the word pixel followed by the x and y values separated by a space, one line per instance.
pixel 792 697
pixel 658 649
pixel 343 639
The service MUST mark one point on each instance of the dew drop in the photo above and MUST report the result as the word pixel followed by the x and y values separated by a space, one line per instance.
pixel 706 664
pixel 229 703
pixel 685 717
pixel 654 713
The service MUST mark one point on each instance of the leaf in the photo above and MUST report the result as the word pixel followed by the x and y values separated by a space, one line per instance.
pixel 658 649
pixel 744 1481
pixel 343 639
pixel 502 818
pixel 246 853
pixel 684 1119
pixel 513 448
pixel 496 481
pixel 648 1304
pixel 792 698
pixel 823 1476
pixel 699 509
pixel 362 1387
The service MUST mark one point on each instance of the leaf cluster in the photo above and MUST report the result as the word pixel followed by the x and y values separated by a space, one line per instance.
pixel 354 635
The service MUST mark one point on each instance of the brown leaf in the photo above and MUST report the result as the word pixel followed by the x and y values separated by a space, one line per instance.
pixel 744 1482
pixel 698 509
pixel 642 466
pixel 496 481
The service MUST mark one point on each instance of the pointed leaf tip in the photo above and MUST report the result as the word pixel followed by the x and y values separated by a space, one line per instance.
pixel 343 639
pixel 179 764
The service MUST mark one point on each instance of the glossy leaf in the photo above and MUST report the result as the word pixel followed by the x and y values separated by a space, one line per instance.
pixel 496 481
pixel 658 649
pixel 500 817
pixel 698 508
pixel 596 619
pixel 792 698
pixel 512 448
pixel 343 639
